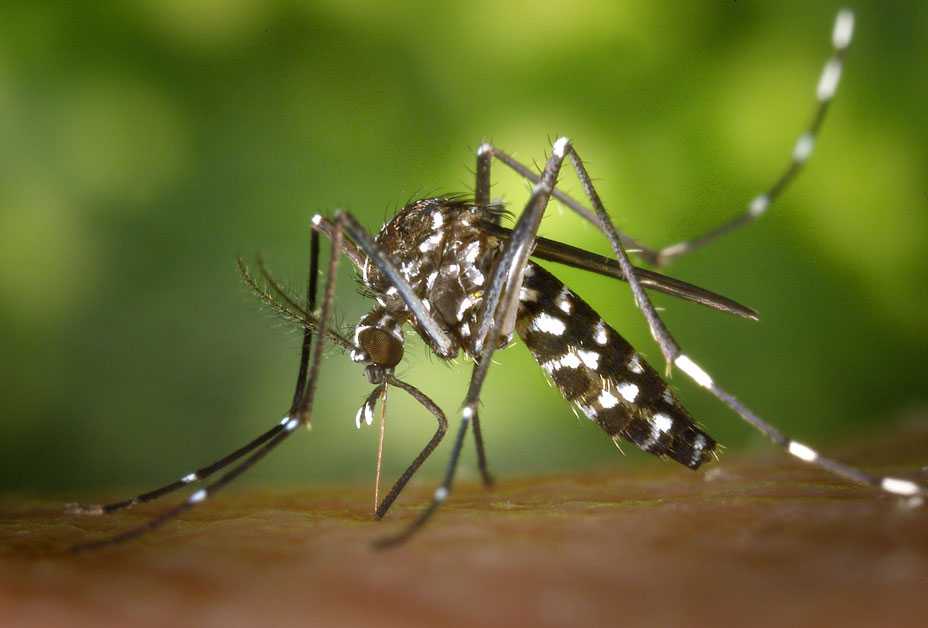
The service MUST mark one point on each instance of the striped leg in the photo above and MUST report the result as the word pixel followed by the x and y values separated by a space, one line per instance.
pixel 893 485
pixel 825 90
pixel 200 474
pixel 501 300
pixel 827 86
pixel 204 472
pixel 300 412
pixel 673 353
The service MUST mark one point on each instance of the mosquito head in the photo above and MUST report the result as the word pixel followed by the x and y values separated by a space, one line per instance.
pixel 383 349
pixel 379 342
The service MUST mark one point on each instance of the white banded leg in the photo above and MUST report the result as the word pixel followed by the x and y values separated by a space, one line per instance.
pixel 896 486
pixel 500 296
pixel 200 474
pixel 841 36
pixel 300 413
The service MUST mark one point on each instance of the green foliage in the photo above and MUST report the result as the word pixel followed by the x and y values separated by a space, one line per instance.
pixel 143 145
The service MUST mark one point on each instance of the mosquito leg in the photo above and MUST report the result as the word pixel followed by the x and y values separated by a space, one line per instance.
pixel 673 353
pixel 439 341
pixel 647 253
pixel 825 91
pixel 827 86
pixel 205 472
pixel 482 199
pixel 485 474
pixel 669 348
pixel 562 148
pixel 300 410
pixel 441 493
pixel 200 474
pixel 194 499
pixel 896 486
pixel 429 405
pixel 500 299
pixel 312 288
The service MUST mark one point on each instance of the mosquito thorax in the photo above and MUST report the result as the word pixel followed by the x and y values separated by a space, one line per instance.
pixel 438 247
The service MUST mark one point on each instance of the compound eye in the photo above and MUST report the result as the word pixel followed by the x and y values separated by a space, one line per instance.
pixel 382 347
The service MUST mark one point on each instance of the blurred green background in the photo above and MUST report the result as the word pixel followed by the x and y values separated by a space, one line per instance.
pixel 143 146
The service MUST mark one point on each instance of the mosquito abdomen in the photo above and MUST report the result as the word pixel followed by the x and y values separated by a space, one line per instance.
pixel 599 372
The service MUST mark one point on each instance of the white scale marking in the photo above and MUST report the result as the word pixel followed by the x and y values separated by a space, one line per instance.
pixel 197 497
pixel 599 334
pixel 667 396
pixel 662 422
pixel 291 425
pixel 471 251
pixel 560 146
pixel 569 361
pixel 547 324
pixel 528 295
pixel 410 269
pixel 474 275
pixel 699 443
pixel 802 452
pixel 634 365
pixel 563 301
pixel 899 486
pixel 190 477
pixel 466 303
pixel 628 391
pixel 828 83
pixel 607 400
pixel 759 205
pixel 844 29
pixel 430 280
pixel 803 149
pixel 437 220
pixel 430 243
pixel 441 494
pixel 590 358
pixel 685 364
pixel 317 218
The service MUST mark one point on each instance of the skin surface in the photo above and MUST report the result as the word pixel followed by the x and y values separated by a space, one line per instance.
pixel 763 541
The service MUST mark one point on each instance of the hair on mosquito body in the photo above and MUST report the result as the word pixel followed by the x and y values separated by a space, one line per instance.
pixel 444 269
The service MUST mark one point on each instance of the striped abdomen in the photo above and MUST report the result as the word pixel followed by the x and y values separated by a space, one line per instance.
pixel 599 372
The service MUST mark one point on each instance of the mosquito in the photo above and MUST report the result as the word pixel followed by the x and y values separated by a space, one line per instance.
pixel 445 267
